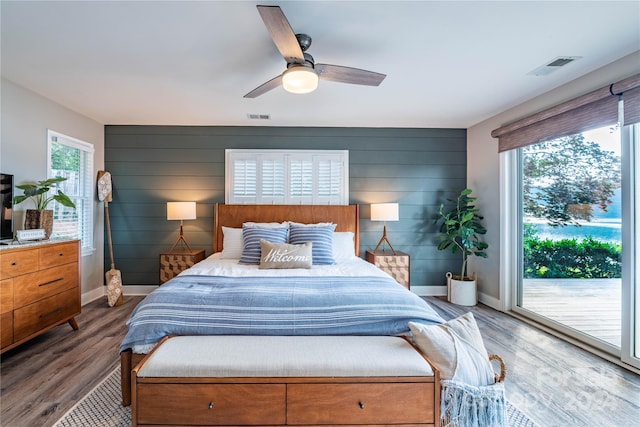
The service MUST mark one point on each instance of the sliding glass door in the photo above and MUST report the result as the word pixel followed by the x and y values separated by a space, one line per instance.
pixel 577 237
pixel 630 352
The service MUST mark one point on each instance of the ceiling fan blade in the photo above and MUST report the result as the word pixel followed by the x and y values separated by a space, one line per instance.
pixel 283 36
pixel 356 76
pixel 266 87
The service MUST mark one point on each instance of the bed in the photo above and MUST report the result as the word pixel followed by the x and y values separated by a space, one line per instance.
pixel 218 296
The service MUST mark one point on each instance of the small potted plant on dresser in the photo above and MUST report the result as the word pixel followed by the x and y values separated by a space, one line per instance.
pixel 460 231
pixel 41 217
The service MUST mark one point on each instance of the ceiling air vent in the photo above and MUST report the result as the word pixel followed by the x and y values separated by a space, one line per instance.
pixel 258 116
pixel 553 65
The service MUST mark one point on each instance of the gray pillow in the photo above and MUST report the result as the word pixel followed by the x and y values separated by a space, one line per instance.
pixel 285 255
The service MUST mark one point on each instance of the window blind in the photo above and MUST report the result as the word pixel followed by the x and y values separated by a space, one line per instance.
pixel 329 178
pixel 72 159
pixel 287 176
pixel 595 109
pixel 301 178
pixel 273 178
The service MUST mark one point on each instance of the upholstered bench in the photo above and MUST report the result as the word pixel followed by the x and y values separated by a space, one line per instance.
pixel 284 380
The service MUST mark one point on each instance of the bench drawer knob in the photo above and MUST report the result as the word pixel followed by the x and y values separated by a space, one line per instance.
pixel 210 405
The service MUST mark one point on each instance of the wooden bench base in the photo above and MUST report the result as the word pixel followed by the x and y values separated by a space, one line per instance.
pixel 283 400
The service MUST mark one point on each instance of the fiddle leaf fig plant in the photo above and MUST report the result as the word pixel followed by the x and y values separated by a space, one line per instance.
pixel 39 193
pixel 460 229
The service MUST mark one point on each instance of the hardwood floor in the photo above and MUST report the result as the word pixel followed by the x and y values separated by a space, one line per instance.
pixel 555 383
pixel 552 381
pixel 43 378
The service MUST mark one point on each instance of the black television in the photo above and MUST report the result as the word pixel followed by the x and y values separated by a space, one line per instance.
pixel 6 206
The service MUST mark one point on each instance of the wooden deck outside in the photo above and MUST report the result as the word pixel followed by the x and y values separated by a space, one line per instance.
pixel 592 306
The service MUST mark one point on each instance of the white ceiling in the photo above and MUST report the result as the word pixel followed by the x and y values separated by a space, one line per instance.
pixel 448 63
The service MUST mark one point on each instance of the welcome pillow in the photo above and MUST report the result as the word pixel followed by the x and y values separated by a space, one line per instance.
pixel 284 255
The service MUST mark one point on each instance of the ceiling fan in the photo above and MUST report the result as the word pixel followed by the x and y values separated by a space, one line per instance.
pixel 302 73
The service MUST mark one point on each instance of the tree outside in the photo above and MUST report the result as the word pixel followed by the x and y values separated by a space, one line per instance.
pixel 568 184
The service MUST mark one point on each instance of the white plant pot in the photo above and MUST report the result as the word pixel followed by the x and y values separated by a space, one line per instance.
pixel 462 292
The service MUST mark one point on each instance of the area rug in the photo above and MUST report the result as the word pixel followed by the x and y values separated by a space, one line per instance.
pixel 102 407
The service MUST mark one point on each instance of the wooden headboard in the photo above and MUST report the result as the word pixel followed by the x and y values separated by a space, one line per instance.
pixel 346 217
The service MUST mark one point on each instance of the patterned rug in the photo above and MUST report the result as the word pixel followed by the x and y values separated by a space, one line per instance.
pixel 102 408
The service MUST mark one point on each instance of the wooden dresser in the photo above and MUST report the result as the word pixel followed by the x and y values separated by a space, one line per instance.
pixel 39 289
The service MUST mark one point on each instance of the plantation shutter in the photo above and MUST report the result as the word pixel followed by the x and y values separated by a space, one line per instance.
pixel 595 109
pixel 301 179
pixel 330 176
pixel 287 176
pixel 272 183
pixel 245 176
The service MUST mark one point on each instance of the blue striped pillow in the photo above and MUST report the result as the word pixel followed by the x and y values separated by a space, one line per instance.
pixel 251 236
pixel 320 235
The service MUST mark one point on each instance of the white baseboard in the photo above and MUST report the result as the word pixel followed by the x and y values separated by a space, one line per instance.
pixel 92 295
pixel 429 291
pixel 423 291
pixel 489 300
pixel 100 292
pixel 138 289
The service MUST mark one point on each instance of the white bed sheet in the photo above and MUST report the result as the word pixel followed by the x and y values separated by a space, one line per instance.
pixel 214 265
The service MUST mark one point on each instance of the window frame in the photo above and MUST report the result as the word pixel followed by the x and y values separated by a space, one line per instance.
pixel 87 197
pixel 287 157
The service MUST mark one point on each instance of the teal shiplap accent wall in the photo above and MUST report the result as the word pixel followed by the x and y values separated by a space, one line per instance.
pixel 151 165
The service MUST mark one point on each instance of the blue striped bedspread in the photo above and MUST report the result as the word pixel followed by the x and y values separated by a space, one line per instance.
pixel 215 305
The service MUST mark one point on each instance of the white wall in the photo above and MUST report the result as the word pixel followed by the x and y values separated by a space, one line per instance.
pixel 483 162
pixel 26 116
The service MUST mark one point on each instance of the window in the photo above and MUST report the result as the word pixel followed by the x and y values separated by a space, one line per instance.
pixel 73 159
pixel 287 177
pixel 542 141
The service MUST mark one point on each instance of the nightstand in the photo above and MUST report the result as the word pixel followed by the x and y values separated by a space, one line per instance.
pixel 174 262
pixel 396 265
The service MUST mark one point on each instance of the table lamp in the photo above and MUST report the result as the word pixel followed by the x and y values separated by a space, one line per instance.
pixel 181 211
pixel 384 212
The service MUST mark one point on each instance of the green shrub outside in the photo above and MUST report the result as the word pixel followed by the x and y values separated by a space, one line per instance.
pixel 571 258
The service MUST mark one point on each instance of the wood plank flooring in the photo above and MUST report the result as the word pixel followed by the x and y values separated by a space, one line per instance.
pixel 43 378
pixel 555 383
pixel 592 306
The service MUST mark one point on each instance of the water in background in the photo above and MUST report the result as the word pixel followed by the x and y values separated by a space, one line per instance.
pixel 602 231
pixel 606 226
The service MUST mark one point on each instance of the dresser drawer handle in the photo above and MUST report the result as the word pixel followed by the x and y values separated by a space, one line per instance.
pixel 14 263
pixel 210 405
pixel 49 313
pixel 50 282
pixel 361 405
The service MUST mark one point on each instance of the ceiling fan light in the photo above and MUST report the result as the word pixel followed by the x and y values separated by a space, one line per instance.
pixel 300 79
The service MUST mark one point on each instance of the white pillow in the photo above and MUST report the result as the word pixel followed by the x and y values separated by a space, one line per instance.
pixel 265 224
pixel 343 245
pixel 456 349
pixel 232 243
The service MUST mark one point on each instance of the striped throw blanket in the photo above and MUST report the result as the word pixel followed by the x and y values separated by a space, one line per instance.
pixel 214 305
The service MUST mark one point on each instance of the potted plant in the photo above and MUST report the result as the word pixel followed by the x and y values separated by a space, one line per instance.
pixel 460 231
pixel 41 217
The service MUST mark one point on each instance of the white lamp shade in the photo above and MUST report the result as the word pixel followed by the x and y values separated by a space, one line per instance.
pixel 384 212
pixel 181 210
pixel 300 79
